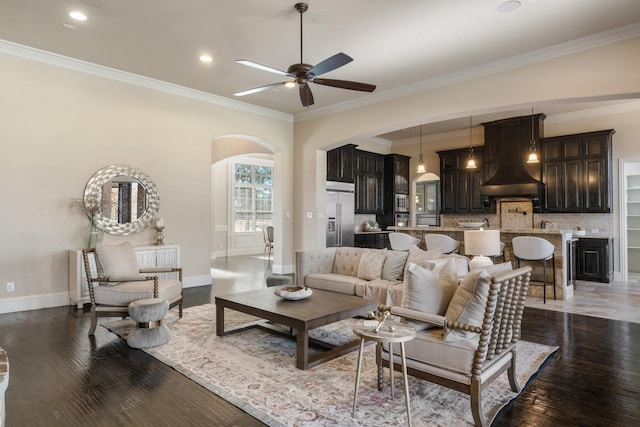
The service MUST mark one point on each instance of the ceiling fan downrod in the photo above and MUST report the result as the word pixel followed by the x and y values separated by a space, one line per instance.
pixel 301 8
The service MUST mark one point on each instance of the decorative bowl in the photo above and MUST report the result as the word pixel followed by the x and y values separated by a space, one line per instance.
pixel 293 293
pixel 471 224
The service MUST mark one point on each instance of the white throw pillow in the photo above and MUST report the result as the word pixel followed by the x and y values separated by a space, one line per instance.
pixel 118 262
pixel 418 256
pixel 371 262
pixel 430 291
pixel 468 304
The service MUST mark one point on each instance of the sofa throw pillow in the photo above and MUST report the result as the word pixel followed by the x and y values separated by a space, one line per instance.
pixel 468 304
pixel 371 262
pixel 393 267
pixel 430 291
pixel 118 262
pixel 418 256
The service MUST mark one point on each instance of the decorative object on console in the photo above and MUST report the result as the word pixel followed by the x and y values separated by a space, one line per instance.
pixel 92 235
pixel 380 317
pixel 482 244
pixel 159 233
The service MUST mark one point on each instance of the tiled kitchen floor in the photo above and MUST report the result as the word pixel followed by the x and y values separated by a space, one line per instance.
pixel 617 300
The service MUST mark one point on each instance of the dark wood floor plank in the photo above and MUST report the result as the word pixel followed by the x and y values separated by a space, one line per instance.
pixel 61 377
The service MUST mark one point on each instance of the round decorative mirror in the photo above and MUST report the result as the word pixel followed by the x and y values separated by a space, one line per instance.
pixel 122 198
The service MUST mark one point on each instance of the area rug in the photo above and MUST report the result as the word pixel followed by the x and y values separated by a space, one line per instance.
pixel 255 370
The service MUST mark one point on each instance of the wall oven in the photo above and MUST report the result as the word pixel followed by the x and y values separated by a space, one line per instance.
pixel 402 220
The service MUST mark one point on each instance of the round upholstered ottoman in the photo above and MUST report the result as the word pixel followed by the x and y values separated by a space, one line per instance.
pixel 279 280
pixel 149 331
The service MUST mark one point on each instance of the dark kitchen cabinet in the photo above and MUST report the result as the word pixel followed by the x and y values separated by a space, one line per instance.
pixel 372 240
pixel 576 171
pixel 459 186
pixel 340 164
pixel 369 182
pixel 398 167
pixel 595 259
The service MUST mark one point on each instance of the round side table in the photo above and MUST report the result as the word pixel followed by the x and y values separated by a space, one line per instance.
pixel 400 334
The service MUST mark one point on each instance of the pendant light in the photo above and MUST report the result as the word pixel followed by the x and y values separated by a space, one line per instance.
pixel 421 168
pixel 533 155
pixel 471 163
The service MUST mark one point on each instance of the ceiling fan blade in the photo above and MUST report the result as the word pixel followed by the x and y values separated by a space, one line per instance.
pixel 330 64
pixel 345 84
pixel 263 67
pixel 305 95
pixel 258 89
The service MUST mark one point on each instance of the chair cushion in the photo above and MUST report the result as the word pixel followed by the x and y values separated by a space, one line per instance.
pixel 393 267
pixel 428 347
pixel 339 283
pixel 118 262
pixel 371 262
pixel 124 293
pixel 430 291
pixel 469 301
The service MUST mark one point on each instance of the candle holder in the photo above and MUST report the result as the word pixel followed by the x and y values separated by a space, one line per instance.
pixel 159 236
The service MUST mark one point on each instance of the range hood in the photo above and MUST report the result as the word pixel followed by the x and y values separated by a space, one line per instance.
pixel 506 147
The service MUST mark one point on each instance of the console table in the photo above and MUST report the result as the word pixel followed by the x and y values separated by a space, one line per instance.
pixel 148 257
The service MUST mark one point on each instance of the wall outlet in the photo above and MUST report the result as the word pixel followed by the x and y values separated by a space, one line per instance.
pixel 11 286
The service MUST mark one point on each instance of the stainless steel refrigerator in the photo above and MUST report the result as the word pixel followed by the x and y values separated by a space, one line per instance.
pixel 340 214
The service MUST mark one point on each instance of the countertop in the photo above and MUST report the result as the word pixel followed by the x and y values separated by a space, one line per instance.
pixel 374 232
pixel 529 231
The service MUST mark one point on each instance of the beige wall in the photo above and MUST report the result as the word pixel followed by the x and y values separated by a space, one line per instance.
pixel 600 73
pixel 59 126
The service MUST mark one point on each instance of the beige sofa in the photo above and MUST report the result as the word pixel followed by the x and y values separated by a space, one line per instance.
pixel 354 271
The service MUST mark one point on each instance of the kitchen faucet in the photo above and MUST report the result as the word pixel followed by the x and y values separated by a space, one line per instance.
pixel 487 221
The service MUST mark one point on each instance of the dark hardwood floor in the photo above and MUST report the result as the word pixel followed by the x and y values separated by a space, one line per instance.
pixel 61 377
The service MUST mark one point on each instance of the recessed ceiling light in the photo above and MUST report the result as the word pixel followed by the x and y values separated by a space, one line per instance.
pixel 206 58
pixel 509 6
pixel 78 16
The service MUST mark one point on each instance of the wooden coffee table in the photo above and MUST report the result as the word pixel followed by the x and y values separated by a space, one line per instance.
pixel 320 309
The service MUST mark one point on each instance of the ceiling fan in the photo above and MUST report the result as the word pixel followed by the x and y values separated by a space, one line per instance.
pixel 302 73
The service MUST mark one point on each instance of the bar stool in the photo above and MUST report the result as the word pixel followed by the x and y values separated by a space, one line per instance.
pixel 447 244
pixel 402 241
pixel 529 248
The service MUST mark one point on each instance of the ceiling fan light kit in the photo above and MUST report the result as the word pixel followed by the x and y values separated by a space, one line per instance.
pixel 302 73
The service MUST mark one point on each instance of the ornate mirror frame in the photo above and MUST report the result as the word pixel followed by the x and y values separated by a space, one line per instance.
pixel 93 197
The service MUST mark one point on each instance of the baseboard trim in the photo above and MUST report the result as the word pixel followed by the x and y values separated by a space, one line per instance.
pixel 38 302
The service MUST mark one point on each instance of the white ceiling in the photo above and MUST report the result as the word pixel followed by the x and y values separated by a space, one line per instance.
pixel 397 45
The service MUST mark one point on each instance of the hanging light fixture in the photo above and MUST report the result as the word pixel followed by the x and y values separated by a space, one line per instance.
pixel 471 163
pixel 421 168
pixel 533 155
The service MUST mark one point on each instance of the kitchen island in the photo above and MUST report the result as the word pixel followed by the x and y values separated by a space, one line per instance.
pixel 559 238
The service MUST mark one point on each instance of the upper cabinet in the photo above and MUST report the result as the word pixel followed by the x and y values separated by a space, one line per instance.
pixel 459 186
pixel 576 171
pixel 397 169
pixel 340 162
pixel 369 178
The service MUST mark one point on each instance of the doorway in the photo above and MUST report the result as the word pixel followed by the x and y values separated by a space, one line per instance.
pixel 630 219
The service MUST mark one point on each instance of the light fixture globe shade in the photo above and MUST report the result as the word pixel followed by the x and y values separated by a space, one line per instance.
pixel 471 164
pixel 421 168
pixel 533 157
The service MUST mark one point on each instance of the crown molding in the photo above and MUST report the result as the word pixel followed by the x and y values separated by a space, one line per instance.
pixel 57 60
pixel 563 49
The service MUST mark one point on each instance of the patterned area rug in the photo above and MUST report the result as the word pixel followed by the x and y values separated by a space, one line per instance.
pixel 255 370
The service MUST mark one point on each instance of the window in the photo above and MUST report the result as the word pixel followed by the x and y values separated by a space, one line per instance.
pixel 252 197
